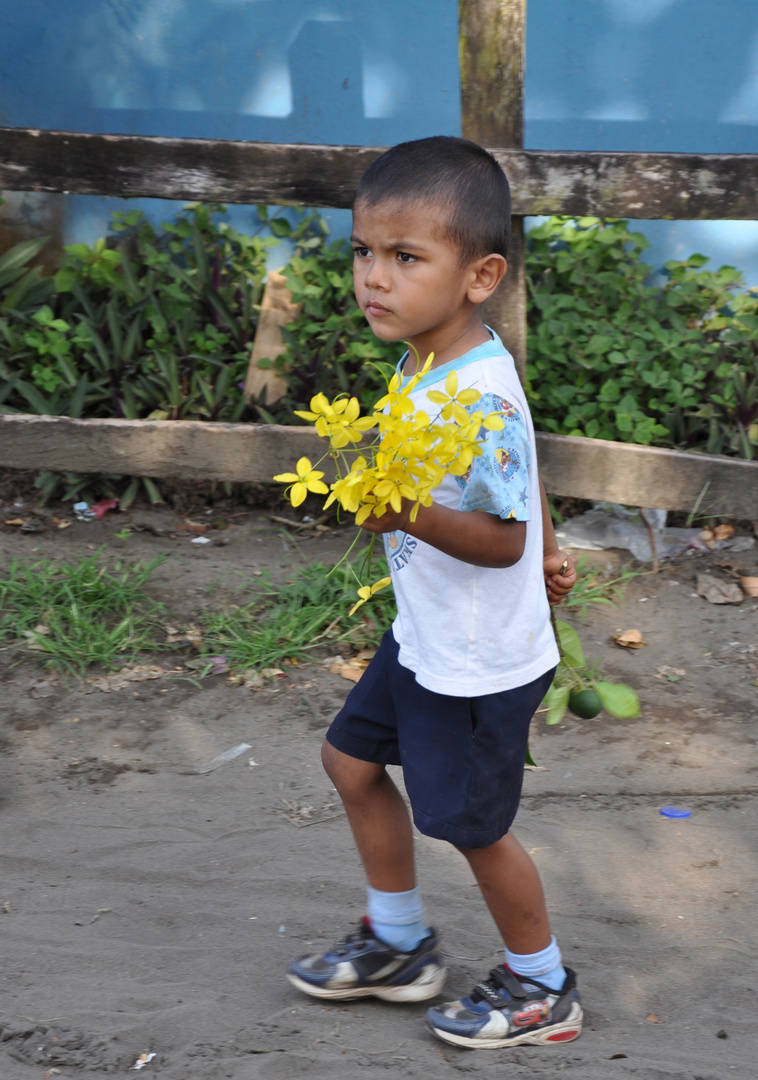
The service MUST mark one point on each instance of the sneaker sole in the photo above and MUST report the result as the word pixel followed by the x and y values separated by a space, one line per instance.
pixel 428 985
pixel 566 1031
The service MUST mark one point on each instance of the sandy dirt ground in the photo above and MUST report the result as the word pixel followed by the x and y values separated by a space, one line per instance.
pixel 149 907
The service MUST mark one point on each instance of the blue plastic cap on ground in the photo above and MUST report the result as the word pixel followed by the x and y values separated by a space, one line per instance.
pixel 675 812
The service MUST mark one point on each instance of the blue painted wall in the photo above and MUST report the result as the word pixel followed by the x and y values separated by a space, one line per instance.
pixel 601 74
pixel 369 72
pixel 676 75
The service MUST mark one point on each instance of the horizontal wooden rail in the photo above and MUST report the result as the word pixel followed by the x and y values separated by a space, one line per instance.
pixel 194 450
pixel 636 185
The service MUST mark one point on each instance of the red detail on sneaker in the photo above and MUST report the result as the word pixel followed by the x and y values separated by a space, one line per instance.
pixel 534 1013
pixel 563 1036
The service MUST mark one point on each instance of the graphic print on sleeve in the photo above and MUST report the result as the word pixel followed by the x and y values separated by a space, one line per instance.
pixel 498 481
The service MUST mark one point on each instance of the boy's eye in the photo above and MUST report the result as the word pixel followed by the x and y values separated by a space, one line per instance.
pixel 361 252
pixel 405 257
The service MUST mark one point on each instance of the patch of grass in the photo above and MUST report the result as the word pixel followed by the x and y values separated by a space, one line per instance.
pixel 596 587
pixel 287 622
pixel 74 615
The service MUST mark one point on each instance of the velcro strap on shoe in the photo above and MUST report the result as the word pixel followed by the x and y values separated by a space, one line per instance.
pixel 504 977
pixel 485 991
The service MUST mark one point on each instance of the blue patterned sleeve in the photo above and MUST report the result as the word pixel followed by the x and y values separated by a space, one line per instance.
pixel 498 480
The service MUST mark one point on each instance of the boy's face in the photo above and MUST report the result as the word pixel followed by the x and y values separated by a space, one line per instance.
pixel 409 282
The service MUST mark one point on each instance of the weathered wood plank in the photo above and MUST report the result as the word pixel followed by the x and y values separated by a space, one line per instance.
pixel 183 449
pixel 647 476
pixel 253 453
pixel 196 169
pixel 554 182
pixel 492 36
pixel 492 39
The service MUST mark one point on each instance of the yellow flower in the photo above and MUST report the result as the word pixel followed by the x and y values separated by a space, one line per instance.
pixel 408 458
pixel 338 421
pixel 304 480
pixel 453 403
pixel 367 591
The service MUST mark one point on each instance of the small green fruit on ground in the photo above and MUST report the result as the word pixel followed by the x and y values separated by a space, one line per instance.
pixel 585 703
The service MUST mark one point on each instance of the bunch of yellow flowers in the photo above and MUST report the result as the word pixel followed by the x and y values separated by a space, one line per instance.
pixel 407 459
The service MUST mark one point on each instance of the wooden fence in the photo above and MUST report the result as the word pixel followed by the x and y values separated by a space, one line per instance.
pixel 639 185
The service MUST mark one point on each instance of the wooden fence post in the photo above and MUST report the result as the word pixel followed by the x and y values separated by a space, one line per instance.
pixel 492 50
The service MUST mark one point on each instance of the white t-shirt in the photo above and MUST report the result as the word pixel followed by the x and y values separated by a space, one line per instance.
pixel 469 630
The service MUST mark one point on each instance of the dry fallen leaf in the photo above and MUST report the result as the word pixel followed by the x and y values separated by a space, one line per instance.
pixel 15 521
pixel 190 634
pixel 653 1019
pixel 723 532
pixel 629 639
pixel 349 669
pixel 672 674
pixel 139 673
pixel 749 585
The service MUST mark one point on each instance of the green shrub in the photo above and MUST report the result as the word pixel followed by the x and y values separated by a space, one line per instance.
pixel 158 324
pixel 143 325
pixel 612 356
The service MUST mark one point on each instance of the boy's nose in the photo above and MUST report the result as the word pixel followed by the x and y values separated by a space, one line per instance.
pixel 376 277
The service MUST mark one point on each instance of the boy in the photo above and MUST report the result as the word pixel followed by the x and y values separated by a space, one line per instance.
pixel 455 683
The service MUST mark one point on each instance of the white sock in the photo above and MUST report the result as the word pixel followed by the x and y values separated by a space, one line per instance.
pixel 397 918
pixel 545 966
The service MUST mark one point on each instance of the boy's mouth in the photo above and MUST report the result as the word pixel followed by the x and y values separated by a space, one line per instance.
pixel 373 307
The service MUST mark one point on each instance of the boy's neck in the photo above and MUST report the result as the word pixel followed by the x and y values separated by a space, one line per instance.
pixel 476 333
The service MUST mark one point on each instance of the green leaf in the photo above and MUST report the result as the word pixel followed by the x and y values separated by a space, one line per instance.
pixel 569 644
pixel 556 701
pixel 618 699
pixel 13 261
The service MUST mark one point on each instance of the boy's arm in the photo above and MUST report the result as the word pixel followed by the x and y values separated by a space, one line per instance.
pixel 478 538
pixel 558 566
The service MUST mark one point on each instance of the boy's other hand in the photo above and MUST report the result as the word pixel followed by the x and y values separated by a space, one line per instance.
pixel 559 569
pixel 390 521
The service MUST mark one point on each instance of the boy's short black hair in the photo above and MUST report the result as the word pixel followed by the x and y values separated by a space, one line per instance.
pixel 454 174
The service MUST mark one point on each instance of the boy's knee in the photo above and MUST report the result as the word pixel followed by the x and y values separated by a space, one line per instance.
pixel 349 775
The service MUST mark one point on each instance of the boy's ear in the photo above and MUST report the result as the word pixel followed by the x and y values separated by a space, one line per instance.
pixel 489 271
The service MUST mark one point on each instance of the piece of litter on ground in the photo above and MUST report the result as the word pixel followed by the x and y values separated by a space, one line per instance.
pixel 222 759
pixel 252 763
pixel 282 929
pixel 143 1060
pixel 675 812
pixel 100 509
pixel 200 540
pixel 653 1019
pixel 718 591
pixel 83 512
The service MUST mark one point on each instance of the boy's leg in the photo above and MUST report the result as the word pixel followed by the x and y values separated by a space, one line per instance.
pixel 532 998
pixel 512 890
pixel 378 818
pixel 365 964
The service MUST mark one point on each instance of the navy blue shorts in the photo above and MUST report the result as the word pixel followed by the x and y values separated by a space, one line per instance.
pixel 462 758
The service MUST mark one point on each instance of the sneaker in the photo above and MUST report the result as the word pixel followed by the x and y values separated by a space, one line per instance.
pixel 363 966
pixel 505 1010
